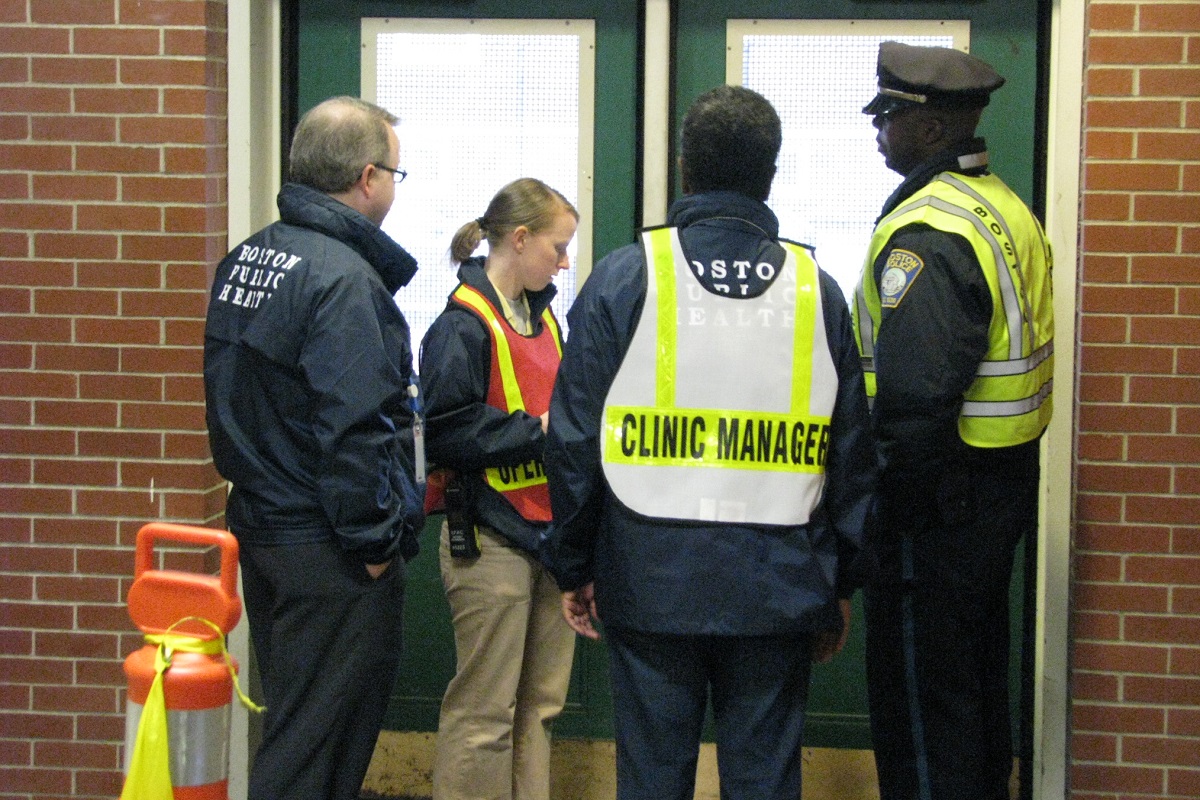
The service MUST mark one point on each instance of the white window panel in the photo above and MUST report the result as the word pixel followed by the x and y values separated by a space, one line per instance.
pixel 819 74
pixel 480 103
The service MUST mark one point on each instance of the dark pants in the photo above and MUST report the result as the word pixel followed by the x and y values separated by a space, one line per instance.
pixel 661 685
pixel 938 642
pixel 327 641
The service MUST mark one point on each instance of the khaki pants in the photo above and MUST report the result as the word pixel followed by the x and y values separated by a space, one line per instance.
pixel 514 664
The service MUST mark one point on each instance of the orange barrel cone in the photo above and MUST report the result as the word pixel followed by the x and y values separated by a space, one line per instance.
pixel 184 669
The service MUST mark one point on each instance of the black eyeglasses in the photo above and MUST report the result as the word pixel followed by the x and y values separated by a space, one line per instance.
pixel 398 175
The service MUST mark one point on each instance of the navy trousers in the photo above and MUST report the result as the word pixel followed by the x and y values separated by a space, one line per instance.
pixel 327 642
pixel 938 640
pixel 661 686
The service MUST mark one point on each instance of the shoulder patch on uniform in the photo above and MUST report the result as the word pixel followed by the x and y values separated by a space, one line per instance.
pixel 901 269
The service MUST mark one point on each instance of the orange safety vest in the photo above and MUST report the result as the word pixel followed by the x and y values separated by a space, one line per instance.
pixel 522 378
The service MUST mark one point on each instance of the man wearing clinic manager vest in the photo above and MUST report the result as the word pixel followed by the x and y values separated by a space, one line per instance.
pixel 711 470
pixel 954 319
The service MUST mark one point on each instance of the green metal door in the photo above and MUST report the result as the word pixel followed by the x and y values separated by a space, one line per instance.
pixel 327 62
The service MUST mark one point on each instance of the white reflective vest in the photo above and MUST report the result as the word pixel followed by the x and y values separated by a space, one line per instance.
pixel 1009 402
pixel 721 408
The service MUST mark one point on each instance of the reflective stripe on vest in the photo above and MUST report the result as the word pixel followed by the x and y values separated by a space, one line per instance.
pixel 1009 402
pixel 522 378
pixel 721 408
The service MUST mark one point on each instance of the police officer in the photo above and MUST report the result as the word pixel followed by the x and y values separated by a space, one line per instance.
pixel 710 470
pixel 953 318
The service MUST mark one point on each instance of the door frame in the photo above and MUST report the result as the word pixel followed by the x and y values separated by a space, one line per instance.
pixel 254 111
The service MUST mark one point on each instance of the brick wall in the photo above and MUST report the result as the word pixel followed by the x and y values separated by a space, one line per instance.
pixel 112 211
pixel 1136 675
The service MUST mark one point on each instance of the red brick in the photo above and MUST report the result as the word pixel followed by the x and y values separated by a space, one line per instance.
pixel 16 754
pixel 138 189
pixel 1185 539
pixel 1111 17
pixel 99 784
pixel 30 40
pixel 120 275
pixel 110 617
pixel 1098 507
pixel 74 128
pixel 1100 358
pixel 123 217
pixel 75 531
pixel 99 672
pixel 1117 719
pixel 120 444
pixel 1184 782
pixel 1114 657
pixel 1160 750
pixel 1107 83
pixel 70 644
pixel 1133 113
pixel 1182 17
pixel 1162 690
pixel 182 445
pixel 1167 510
pixel 162 360
pixel 100 727
pixel 115 330
pixel 35 157
pixel 36 616
pixel 117 41
pixel 1101 388
pixel 86 70
pixel 1165 389
pixel 38 781
pixel 163 72
pixel 74 698
pixel 1110 597
pixel 18 588
pixel 162 13
pixel 1163 570
pixel 1096 626
pixel 1100 447
pixel 120 159
pixel 1185 661
pixel 167 247
pixel 1168 145
pixel 1175 207
pixel 1170 269
pixel 1134 50
pixel 76 302
pixel 1164 449
pixel 1169 82
pixel 33 273
pixel 1122 539
pixel 47 216
pixel 77 358
pixel 74 245
pixel 1117 176
pixel 1135 238
pixel 1138 780
pixel 1164 629
pixel 15 356
pixel 1125 418
pixel 74 187
pixel 1106 206
pixel 75 472
pixel 1189 239
pixel 1124 478
pixel 1187 480
pixel 76 754
pixel 1105 269
pixel 116 503
pixel 1128 300
pixel 116 100
pixel 1095 687
pixel 72 413
pixel 1189 361
pixel 54 12
pixel 1183 721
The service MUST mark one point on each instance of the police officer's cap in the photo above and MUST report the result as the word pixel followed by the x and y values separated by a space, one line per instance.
pixel 934 77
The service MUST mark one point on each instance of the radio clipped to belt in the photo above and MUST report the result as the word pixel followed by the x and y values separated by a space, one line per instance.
pixel 464 533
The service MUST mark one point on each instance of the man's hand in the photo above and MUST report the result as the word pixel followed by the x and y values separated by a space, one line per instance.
pixel 827 644
pixel 579 609
pixel 375 570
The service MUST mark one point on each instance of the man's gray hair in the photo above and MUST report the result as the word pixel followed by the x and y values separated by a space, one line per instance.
pixel 335 140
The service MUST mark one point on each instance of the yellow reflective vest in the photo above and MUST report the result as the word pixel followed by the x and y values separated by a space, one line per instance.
pixel 721 408
pixel 1009 401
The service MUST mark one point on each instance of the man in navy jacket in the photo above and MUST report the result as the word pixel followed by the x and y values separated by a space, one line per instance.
pixel 711 470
